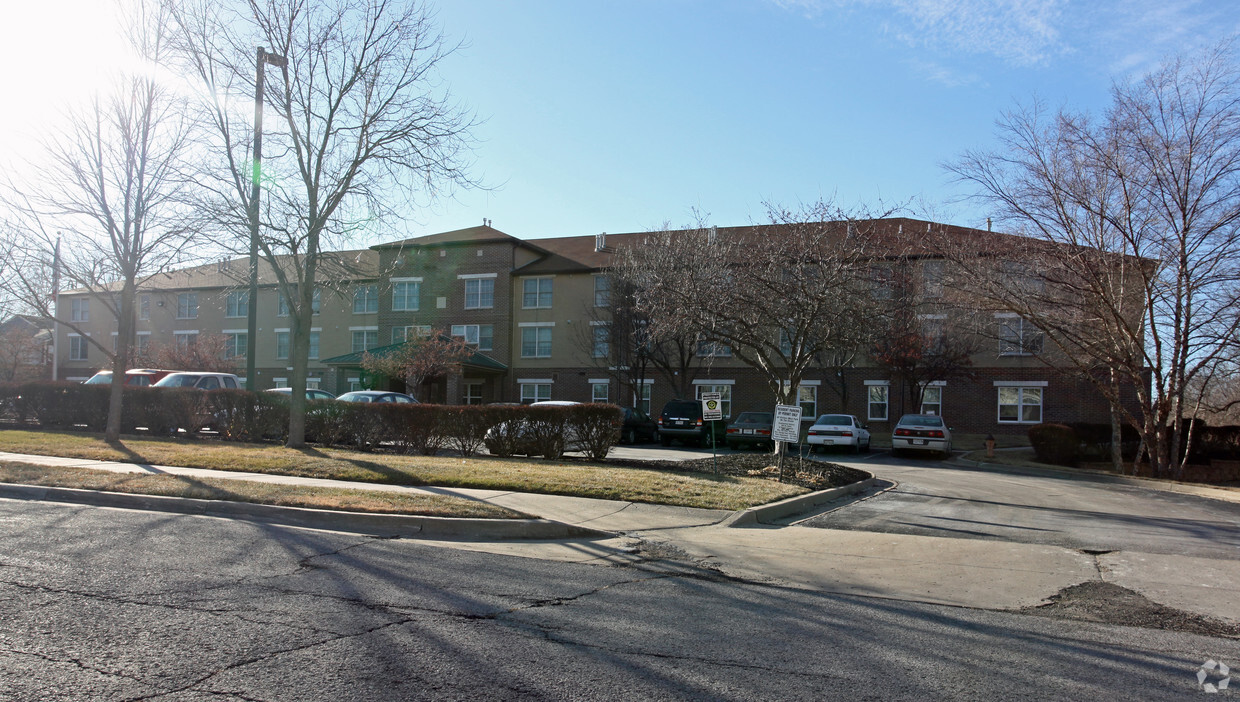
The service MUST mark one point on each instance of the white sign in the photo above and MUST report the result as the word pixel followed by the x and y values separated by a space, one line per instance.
pixel 712 406
pixel 787 424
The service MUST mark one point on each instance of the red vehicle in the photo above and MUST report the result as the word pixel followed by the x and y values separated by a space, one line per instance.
pixel 134 377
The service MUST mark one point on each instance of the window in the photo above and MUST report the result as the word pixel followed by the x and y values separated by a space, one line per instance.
pixel 184 339
pixel 724 390
pixel 1020 405
pixel 602 340
pixel 314 344
pixel 78 346
pixel 932 400
pixel 238 304
pixel 536 342
pixel 187 306
pixel 535 392
pixel 933 331
pixel 1021 278
pixel 144 307
pixel 235 343
pixel 473 393
pixel 599 392
pixel 785 342
pixel 716 349
pixel 406 295
pixel 481 335
pixel 282 344
pixel 643 398
pixel 142 343
pixel 1018 337
pixel 364 339
pixel 536 293
pixel 366 299
pixel 313 383
pixel 602 291
pixel 279 382
pixel 932 279
pixel 355 384
pixel 882 285
pixel 403 334
pixel 807 398
pixel 81 310
pixel 479 293
pixel 282 305
pixel 115 341
pixel 876 396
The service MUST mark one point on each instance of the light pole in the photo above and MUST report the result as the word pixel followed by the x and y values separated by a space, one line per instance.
pixel 251 337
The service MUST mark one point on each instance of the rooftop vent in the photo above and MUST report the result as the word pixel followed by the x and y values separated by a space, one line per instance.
pixel 712 237
pixel 600 241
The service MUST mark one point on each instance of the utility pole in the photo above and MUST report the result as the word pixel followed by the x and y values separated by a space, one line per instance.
pixel 251 337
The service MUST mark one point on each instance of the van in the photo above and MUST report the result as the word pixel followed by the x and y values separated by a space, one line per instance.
pixel 682 419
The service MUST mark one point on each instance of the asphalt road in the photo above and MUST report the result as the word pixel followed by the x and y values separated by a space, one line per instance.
pixel 103 604
pixel 1075 511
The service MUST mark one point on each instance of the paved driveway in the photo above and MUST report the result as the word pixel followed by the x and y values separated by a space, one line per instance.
pixel 1076 511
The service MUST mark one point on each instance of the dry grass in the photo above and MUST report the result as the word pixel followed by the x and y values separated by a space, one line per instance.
pixel 567 477
pixel 343 499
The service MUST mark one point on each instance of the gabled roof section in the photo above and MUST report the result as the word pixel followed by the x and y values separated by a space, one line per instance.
pixel 481 234
pixel 476 360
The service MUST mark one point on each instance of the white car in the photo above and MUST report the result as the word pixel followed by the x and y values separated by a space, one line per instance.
pixel 831 430
pixel 921 432
pixel 202 381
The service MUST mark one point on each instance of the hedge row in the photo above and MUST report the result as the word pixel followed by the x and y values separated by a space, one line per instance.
pixel 239 415
pixel 1067 444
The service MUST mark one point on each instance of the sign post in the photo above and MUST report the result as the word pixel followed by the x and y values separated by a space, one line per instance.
pixel 712 411
pixel 785 428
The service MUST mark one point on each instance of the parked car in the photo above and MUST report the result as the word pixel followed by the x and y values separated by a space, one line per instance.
pixel 202 381
pixel 831 430
pixel 311 393
pixel 377 396
pixel 682 419
pixel 751 429
pixel 638 427
pixel 921 432
pixel 135 377
pixel 521 435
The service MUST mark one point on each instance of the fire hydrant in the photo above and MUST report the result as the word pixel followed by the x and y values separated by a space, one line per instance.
pixel 990 446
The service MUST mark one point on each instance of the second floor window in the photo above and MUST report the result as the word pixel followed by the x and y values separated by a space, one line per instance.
pixel 282 344
pixel 366 299
pixel 238 304
pixel 365 339
pixel 717 349
pixel 482 335
pixel 1018 337
pixel 282 306
pixel 536 293
pixel 235 344
pixel 602 291
pixel 187 306
pixel 81 310
pixel 536 342
pixel 602 340
pixel 406 295
pixel 479 293
pixel 144 307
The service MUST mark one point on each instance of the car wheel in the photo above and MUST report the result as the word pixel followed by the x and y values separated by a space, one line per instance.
pixel 856 447
pixel 630 436
pixel 867 447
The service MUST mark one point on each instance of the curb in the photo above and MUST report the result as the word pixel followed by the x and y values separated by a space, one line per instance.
pixel 794 505
pixel 385 525
pixel 1197 489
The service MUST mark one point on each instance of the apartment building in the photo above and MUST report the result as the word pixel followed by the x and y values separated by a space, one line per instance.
pixel 534 311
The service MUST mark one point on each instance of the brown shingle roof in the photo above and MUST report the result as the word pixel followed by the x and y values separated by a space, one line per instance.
pixel 470 235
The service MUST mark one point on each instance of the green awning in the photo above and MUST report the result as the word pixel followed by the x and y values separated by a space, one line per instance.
pixel 476 361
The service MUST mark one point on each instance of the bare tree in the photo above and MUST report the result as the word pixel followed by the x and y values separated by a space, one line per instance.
pixel 421 358
pixel 113 186
pixel 208 353
pixel 776 297
pixel 1139 285
pixel 363 131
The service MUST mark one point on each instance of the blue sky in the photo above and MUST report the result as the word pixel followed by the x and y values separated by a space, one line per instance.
pixel 621 116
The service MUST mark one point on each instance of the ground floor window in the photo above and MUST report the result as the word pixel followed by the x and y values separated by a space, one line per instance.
pixel 355 384
pixel 807 398
pixel 876 396
pixel 535 392
pixel 313 383
pixel 280 382
pixel 932 400
pixel 78 346
pixel 473 393
pixel 643 397
pixel 1020 405
pixel 600 392
pixel 725 392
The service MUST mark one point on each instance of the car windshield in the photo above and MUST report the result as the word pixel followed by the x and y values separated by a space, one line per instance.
pixel 924 420
pixel 99 379
pixel 178 380
pixel 354 397
pixel 835 419
pixel 754 418
pixel 682 408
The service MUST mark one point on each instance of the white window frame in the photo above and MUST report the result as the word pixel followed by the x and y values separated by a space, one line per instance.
pixel 600 347
pixel 183 338
pixel 475 281
pixel 287 335
pixel 644 392
pixel 144 307
pixel 469 396
pixel 236 341
pixel 1019 337
pixel 937 407
pixel 187 305
pixel 531 389
pixel 316 334
pixel 600 383
pixel 1022 390
pixel 472 334
pixel 366 297
pixel 79 347
pixel 279 382
pixel 873 387
pixel 537 329
pixel 602 292
pixel 234 307
pixel 364 331
pixel 542 298
pixel 80 311
pixel 405 302
pixel 142 342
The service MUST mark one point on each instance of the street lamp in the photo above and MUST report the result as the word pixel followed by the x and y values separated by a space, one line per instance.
pixel 251 338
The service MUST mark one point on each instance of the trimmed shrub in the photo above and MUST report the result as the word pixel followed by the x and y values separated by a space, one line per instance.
pixel 65 404
pixel 546 427
pixel 417 428
pixel 329 422
pixel 506 433
pixel 595 428
pixel 465 427
pixel 241 415
pixel 1055 443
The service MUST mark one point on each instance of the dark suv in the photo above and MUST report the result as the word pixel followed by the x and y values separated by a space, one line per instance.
pixel 682 419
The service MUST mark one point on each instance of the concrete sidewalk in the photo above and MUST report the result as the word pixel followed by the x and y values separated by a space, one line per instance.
pixel 980 573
